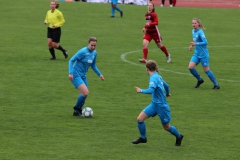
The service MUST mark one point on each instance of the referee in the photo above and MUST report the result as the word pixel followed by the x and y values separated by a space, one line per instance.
pixel 55 20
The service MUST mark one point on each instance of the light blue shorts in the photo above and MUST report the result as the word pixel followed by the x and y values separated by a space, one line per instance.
pixel 204 61
pixel 162 110
pixel 77 81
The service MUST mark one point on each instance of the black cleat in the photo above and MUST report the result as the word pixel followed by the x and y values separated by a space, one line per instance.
pixel 216 87
pixel 199 83
pixel 76 114
pixel 140 140
pixel 179 141
pixel 52 58
pixel 112 16
pixel 65 54
pixel 121 13
pixel 77 109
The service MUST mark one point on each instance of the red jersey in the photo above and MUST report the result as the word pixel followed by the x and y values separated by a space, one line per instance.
pixel 152 20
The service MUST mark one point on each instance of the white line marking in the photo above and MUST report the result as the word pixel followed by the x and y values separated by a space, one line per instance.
pixel 123 57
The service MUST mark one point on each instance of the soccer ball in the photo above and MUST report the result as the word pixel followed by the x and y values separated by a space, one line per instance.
pixel 87 112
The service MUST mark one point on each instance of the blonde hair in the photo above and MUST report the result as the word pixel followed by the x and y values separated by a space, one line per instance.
pixel 152 66
pixel 199 22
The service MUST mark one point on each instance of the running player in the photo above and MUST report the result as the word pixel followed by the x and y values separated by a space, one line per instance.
pixel 201 54
pixel 151 31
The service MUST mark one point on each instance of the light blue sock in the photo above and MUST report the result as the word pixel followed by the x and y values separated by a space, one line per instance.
pixel 174 132
pixel 118 9
pixel 113 11
pixel 142 129
pixel 195 74
pixel 80 101
pixel 211 77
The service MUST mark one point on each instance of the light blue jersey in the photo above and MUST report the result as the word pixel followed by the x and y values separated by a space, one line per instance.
pixel 201 43
pixel 158 88
pixel 81 61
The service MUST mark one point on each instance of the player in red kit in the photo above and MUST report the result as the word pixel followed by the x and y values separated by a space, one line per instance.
pixel 151 31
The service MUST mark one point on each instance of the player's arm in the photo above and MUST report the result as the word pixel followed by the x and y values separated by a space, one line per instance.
pixel 150 90
pixel 78 55
pixel 61 20
pixel 154 22
pixel 203 38
pixel 46 19
pixel 95 68
pixel 166 87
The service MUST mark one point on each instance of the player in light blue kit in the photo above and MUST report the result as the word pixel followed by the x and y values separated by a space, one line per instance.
pixel 115 7
pixel 159 106
pixel 78 67
pixel 201 54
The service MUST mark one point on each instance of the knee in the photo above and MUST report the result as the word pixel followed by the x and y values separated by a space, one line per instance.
pixel 166 127
pixel 85 94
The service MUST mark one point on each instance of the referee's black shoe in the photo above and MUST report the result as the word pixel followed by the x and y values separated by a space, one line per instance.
pixel 65 54
pixel 140 140
pixel 121 13
pixel 199 83
pixel 179 141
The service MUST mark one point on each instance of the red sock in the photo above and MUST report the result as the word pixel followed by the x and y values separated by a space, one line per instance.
pixel 174 2
pixel 164 49
pixel 145 53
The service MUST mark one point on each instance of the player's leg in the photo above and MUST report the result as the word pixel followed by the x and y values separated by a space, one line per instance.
pixel 78 82
pixel 163 1
pixel 192 64
pixel 205 65
pixel 147 112
pixel 170 3
pixel 158 40
pixel 146 40
pixel 50 47
pixel 174 2
pixel 56 40
pixel 165 117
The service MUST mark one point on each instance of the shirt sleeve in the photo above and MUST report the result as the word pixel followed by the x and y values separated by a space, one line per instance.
pixel 61 20
pixel 77 56
pixel 94 67
pixel 166 87
pixel 46 19
pixel 203 38
pixel 150 90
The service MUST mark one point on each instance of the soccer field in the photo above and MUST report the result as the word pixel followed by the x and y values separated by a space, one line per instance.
pixel 37 97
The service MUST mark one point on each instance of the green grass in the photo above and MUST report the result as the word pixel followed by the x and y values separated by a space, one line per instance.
pixel 37 97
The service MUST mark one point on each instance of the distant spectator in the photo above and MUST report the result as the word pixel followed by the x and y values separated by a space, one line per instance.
pixel 163 2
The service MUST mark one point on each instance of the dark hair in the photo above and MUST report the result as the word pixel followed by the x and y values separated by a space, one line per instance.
pixel 152 65
pixel 57 5
pixel 94 39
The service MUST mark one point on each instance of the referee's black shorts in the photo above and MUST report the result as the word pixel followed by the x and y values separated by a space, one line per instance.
pixel 54 34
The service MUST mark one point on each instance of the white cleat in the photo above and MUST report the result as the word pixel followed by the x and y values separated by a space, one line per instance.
pixel 161 5
pixel 168 58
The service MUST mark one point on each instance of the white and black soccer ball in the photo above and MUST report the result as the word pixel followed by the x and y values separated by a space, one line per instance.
pixel 87 112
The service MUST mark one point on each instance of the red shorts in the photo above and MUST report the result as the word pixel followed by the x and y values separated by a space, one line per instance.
pixel 156 37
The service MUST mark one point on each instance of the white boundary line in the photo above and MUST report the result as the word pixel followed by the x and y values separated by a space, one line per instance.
pixel 123 57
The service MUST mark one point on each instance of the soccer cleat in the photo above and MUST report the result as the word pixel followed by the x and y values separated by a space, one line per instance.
pixel 112 16
pixel 179 141
pixel 162 5
pixel 199 83
pixel 65 54
pixel 52 58
pixel 76 114
pixel 143 60
pixel 140 140
pixel 216 87
pixel 168 58
pixel 121 13
pixel 78 109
